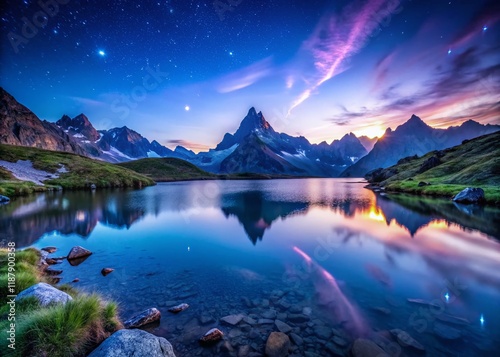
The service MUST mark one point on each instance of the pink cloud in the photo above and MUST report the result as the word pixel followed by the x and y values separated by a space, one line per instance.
pixel 338 37
pixel 245 77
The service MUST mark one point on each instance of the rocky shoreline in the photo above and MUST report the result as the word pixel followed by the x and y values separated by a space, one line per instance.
pixel 277 326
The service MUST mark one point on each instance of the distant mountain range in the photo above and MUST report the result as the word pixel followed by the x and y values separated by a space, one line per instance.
pixel 415 138
pixel 255 147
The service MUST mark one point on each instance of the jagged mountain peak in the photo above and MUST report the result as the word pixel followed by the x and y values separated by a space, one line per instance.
pixel 252 121
pixel 79 126
pixel 413 126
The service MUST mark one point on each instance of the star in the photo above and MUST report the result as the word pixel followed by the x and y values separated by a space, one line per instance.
pixel 102 53
pixel 230 53
pixel 449 51
pixel 485 28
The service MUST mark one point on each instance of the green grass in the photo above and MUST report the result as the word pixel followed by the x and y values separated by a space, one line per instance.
pixel 82 173
pixel 73 329
pixel 475 163
pixel 167 169
pixel 26 272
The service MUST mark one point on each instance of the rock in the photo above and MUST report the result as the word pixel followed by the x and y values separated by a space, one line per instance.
pixel 178 308
pixel 106 271
pixel 52 261
pixel 75 280
pixel 307 311
pixel 366 348
pixel 423 183
pixel 269 314
pixel 133 343
pixel 277 345
pixel 470 195
pixel 340 341
pixel 212 336
pixel 283 305
pixel 45 294
pixel 265 322
pixel 4 199
pixel 282 327
pixel 232 319
pixel 323 332
pixel 249 320
pixel 405 339
pixel 244 351
pixel 144 318
pixel 423 302
pixel 296 339
pixel 407 159
pixel 298 318
pixel 446 332
pixel 235 332
pixel 453 319
pixel 429 164
pixel 93 186
pixel 50 271
pixel 49 249
pixel 78 252
pixel 334 349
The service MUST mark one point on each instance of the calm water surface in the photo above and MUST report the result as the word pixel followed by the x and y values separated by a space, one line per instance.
pixel 329 258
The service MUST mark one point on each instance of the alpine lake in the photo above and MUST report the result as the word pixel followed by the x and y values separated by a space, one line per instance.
pixel 324 260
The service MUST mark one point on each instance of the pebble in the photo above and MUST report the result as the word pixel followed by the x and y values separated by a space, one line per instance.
pixel 232 319
pixel 282 326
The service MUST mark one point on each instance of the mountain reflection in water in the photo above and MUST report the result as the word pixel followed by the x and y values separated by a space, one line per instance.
pixel 26 219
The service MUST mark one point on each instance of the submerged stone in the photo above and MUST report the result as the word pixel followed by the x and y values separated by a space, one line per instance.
pixel 146 317
pixel 277 345
pixel 178 308
pixel 106 271
pixel 49 249
pixel 282 326
pixel 211 336
pixel 366 348
pixel 405 339
pixel 232 319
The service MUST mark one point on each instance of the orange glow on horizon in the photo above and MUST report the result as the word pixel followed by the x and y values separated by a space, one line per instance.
pixel 371 131
pixel 376 215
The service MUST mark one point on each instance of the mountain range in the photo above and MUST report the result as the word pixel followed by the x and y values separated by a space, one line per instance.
pixel 254 147
pixel 415 137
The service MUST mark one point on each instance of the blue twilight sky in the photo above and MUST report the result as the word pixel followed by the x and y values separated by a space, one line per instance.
pixel 186 71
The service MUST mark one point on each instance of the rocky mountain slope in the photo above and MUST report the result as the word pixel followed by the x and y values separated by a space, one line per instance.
pixel 446 172
pixel 415 137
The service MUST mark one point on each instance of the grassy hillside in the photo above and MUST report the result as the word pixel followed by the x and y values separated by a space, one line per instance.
pixel 167 169
pixel 82 171
pixel 474 163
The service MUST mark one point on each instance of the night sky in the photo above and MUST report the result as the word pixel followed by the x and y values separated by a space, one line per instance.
pixel 185 72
